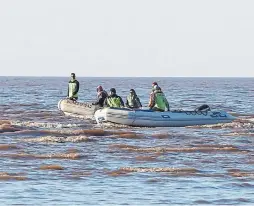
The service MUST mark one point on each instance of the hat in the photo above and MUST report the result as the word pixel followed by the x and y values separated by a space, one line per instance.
pixel 99 88
pixel 113 90
pixel 154 83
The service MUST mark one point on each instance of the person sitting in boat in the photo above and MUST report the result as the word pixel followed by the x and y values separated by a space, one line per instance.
pixel 158 101
pixel 101 96
pixel 73 88
pixel 132 100
pixel 113 100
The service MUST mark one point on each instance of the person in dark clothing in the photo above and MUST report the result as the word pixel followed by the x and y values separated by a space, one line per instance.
pixel 73 88
pixel 101 96
pixel 113 100
pixel 132 100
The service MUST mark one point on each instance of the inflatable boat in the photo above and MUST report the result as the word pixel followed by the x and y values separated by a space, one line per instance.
pixel 149 118
pixel 72 108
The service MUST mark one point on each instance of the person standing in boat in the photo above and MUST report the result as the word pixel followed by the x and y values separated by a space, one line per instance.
pixel 73 88
pixel 113 100
pixel 101 96
pixel 132 100
pixel 158 101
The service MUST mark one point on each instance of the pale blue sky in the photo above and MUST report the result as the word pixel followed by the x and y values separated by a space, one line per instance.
pixel 127 37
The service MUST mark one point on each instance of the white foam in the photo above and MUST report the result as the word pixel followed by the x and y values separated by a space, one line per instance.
pixel 43 124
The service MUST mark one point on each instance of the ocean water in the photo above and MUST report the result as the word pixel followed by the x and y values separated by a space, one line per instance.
pixel 47 158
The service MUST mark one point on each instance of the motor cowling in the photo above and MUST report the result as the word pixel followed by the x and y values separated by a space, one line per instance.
pixel 203 108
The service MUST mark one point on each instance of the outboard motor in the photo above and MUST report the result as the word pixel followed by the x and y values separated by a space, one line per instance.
pixel 203 108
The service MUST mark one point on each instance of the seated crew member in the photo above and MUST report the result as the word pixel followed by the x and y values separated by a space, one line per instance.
pixel 113 100
pixel 132 100
pixel 158 101
pixel 101 96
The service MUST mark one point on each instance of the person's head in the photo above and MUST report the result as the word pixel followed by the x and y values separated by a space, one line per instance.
pixel 99 88
pixel 112 91
pixel 156 88
pixel 132 92
pixel 73 76
pixel 154 83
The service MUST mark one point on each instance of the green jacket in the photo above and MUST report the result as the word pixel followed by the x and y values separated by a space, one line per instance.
pixel 114 101
pixel 73 88
pixel 133 101
pixel 159 101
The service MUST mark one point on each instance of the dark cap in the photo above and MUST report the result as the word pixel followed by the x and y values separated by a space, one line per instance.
pixel 113 90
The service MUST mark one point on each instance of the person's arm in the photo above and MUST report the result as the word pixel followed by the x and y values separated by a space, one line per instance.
pixel 99 97
pixel 68 91
pixel 139 103
pixel 96 102
pixel 127 102
pixel 166 102
pixel 76 88
pixel 122 103
pixel 102 97
pixel 151 101
pixel 105 103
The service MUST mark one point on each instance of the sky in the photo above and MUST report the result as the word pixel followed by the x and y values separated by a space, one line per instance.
pixel 127 38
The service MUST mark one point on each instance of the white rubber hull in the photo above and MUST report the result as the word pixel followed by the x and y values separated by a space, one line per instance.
pixel 79 109
pixel 145 118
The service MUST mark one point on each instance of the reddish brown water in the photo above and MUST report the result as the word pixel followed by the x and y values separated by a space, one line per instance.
pixel 55 159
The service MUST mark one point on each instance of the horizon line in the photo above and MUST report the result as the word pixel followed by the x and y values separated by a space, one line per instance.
pixel 135 76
